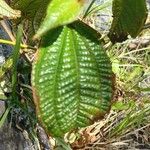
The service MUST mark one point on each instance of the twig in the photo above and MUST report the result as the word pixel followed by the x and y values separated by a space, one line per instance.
pixel 146 26
pixel 2 41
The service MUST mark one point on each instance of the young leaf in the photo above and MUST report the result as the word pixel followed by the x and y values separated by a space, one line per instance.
pixel 6 11
pixel 72 79
pixel 129 18
pixel 60 12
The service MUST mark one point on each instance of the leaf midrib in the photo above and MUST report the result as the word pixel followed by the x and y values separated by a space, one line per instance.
pixel 57 72
pixel 77 72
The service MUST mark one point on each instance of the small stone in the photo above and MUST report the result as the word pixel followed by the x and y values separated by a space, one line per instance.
pixel 2 60
pixel 132 46
pixel 2 108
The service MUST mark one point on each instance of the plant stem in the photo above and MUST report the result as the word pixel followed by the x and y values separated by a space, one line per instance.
pixel 99 7
pixel 86 13
pixel 3 118
pixel 2 41
pixel 15 60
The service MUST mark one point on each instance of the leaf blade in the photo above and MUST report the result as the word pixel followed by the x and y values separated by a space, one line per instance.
pixel 60 12
pixel 72 79
pixel 32 14
pixel 129 18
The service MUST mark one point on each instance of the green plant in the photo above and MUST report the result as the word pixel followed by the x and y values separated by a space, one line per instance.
pixel 72 77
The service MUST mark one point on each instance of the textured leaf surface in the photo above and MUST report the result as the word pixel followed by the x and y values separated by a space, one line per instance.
pixel 6 11
pixel 60 12
pixel 128 18
pixel 71 78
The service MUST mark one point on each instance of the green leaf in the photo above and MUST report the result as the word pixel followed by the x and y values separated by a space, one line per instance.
pixel 4 117
pixel 72 79
pixel 30 8
pixel 119 105
pixel 6 11
pixel 5 67
pixel 60 12
pixel 15 58
pixel 33 12
pixel 2 95
pixel 129 17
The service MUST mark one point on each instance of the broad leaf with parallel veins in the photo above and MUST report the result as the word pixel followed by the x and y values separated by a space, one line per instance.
pixel 72 79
